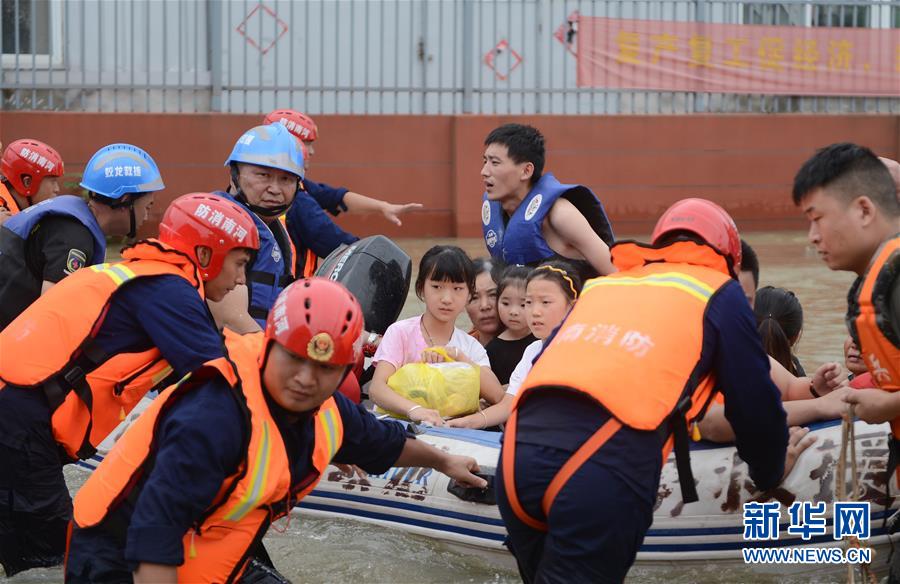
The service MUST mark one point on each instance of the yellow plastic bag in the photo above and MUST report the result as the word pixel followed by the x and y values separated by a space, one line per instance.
pixel 452 388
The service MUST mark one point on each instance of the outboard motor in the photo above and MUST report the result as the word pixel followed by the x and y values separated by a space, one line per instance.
pixel 377 272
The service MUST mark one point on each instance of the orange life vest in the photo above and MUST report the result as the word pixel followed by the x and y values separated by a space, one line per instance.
pixel 7 200
pixel 645 324
pixel 217 548
pixel 49 347
pixel 871 326
pixel 301 268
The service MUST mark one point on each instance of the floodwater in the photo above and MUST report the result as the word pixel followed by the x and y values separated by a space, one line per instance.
pixel 318 550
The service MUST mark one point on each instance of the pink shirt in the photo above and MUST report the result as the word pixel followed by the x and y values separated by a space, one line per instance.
pixel 403 343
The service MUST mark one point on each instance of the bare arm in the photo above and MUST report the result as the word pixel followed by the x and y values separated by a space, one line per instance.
pixel 575 230
pixel 155 574
pixel 491 416
pixel 826 379
pixel 232 311
pixel 491 390
pixel 715 428
pixel 357 203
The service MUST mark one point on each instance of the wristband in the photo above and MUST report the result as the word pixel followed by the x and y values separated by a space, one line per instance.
pixel 411 410
pixel 812 388
pixel 485 418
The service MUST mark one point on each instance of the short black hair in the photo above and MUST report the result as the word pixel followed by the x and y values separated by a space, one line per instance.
pixel 749 262
pixel 514 275
pixel 851 171
pixel 445 263
pixel 523 143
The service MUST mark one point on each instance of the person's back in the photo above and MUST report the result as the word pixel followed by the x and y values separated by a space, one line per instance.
pixel 674 327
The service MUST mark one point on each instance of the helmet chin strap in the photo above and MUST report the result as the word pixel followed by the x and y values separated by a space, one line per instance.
pixel 132 231
pixel 242 198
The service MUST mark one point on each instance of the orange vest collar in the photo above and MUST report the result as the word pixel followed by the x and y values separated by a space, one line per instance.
pixel 628 255
pixel 155 250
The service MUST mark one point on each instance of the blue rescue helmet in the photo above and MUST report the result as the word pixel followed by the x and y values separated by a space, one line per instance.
pixel 272 146
pixel 117 170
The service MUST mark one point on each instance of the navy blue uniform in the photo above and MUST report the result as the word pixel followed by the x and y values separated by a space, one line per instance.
pixel 311 228
pixel 553 425
pixel 161 311
pixel 201 442
pixel 329 198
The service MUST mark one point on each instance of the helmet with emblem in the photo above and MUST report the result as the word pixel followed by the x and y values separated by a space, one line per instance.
pixel 299 124
pixel 206 220
pixel 317 319
pixel 29 160
pixel 707 220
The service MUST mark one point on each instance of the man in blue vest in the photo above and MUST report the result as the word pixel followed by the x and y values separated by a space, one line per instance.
pixel 266 167
pixel 48 241
pixel 309 226
pixel 528 216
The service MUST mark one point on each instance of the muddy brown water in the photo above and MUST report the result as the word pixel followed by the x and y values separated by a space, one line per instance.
pixel 319 550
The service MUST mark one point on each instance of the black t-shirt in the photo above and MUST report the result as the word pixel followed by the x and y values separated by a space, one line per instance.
pixel 57 247
pixel 505 355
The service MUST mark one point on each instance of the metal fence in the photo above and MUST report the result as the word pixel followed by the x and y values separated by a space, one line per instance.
pixel 367 56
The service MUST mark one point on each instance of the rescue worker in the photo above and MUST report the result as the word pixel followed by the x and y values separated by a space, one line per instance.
pixel 48 241
pixel 528 216
pixel 309 227
pixel 83 355
pixel 850 199
pixel 581 458
pixel 266 166
pixel 29 174
pixel 235 447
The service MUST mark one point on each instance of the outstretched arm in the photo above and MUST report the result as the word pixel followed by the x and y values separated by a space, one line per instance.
pixel 357 203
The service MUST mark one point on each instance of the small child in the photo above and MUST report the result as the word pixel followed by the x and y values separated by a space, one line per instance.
pixel 550 291
pixel 445 283
pixel 506 350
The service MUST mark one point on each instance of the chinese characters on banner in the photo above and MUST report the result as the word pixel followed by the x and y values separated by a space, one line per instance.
pixel 727 58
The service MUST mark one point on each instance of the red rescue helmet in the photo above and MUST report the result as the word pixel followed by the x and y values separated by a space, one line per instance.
pixel 204 219
pixel 706 219
pixel 32 158
pixel 317 319
pixel 299 124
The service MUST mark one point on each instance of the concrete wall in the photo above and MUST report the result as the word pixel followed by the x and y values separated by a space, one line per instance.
pixel 638 165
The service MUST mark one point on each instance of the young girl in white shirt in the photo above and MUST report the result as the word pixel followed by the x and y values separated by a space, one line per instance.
pixel 550 291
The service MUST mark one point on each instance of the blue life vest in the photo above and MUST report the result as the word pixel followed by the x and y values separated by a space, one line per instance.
pixel 67 206
pixel 20 284
pixel 272 267
pixel 519 239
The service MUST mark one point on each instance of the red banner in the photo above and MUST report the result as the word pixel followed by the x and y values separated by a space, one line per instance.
pixel 728 58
